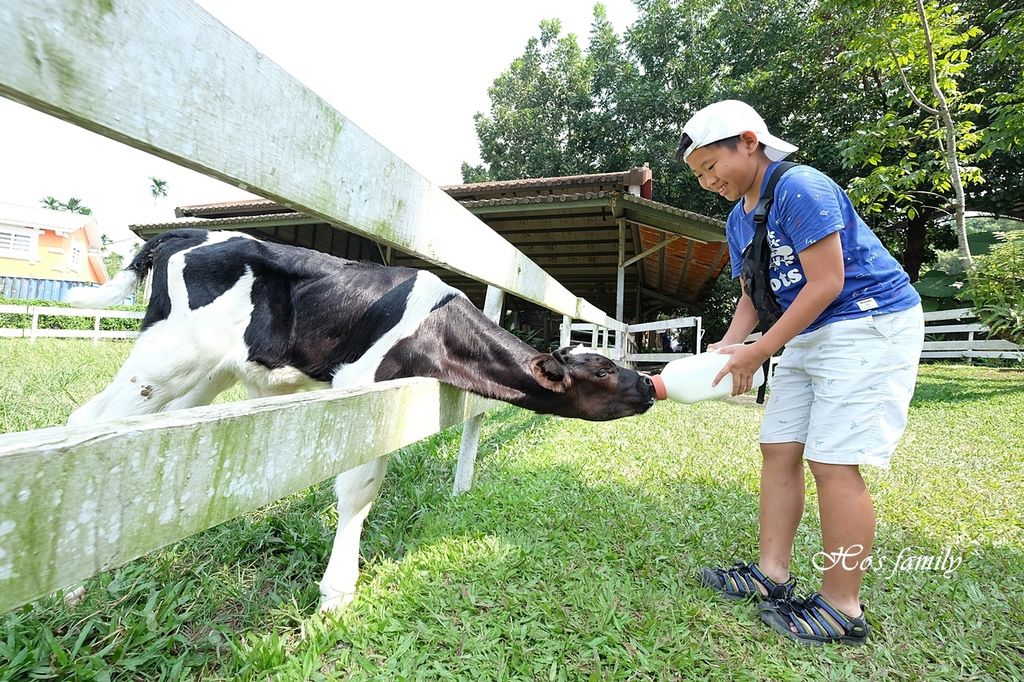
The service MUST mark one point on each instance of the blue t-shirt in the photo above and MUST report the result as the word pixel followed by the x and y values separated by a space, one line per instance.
pixel 808 206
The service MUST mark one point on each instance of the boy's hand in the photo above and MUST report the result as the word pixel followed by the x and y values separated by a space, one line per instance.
pixel 743 364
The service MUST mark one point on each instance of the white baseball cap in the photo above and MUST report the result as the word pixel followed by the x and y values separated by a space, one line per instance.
pixel 725 119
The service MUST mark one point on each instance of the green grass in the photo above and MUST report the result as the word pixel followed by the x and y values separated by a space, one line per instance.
pixel 573 557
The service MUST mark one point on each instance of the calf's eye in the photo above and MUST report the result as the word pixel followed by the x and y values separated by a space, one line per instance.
pixel 601 373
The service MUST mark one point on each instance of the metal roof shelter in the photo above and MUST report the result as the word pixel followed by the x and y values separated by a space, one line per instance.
pixel 579 228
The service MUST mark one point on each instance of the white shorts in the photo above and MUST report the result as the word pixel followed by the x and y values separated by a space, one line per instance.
pixel 843 390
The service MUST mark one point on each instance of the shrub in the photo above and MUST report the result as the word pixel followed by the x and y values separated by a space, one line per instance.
pixel 997 287
pixel 16 321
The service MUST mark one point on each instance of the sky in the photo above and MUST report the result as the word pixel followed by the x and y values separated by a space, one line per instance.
pixel 411 74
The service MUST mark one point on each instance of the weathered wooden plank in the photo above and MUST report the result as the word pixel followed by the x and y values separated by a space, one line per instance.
pixel 77 501
pixel 586 311
pixel 97 66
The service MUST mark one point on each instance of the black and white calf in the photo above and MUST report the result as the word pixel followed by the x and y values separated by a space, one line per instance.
pixel 227 308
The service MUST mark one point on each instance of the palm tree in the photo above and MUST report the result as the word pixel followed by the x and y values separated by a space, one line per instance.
pixel 75 205
pixel 157 187
pixel 52 202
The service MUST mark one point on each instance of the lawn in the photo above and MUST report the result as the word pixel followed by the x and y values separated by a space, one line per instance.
pixel 573 556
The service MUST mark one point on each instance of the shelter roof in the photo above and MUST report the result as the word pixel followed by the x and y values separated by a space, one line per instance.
pixel 569 225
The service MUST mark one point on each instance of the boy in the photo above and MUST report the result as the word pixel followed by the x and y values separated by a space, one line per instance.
pixel 853 330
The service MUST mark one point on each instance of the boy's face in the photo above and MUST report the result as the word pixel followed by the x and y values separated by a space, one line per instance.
pixel 727 171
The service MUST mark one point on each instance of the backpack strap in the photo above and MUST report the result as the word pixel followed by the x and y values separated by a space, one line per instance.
pixel 764 204
pixel 759 242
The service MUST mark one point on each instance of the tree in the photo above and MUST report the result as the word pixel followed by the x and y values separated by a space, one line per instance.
pixel 74 205
pixel 824 76
pixel 925 48
pixel 112 262
pixel 157 188
pixel 538 123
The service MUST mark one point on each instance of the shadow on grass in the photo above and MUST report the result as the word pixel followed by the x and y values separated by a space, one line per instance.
pixel 961 385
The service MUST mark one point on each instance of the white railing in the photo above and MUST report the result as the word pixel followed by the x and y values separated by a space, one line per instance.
pixel 598 339
pixel 666 326
pixel 33 331
pixel 963 322
pixel 76 501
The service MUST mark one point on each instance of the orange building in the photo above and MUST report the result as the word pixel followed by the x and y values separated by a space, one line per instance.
pixel 45 252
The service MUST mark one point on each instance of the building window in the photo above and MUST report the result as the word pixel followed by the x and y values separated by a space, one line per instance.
pixel 76 257
pixel 17 242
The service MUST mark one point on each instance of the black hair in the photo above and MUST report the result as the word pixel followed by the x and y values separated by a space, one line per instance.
pixel 685 141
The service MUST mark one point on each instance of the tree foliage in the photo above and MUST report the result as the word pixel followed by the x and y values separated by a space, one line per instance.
pixel 825 75
pixel 73 204
pixel 157 188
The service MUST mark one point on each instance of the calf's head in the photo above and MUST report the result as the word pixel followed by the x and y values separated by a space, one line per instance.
pixel 590 386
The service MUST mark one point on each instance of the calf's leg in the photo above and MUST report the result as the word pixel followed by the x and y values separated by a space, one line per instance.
pixel 164 371
pixel 356 490
pixel 159 374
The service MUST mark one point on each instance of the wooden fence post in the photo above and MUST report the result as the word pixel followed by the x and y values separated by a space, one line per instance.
pixel 471 427
pixel 35 325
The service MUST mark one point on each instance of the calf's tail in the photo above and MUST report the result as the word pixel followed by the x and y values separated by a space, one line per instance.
pixel 120 286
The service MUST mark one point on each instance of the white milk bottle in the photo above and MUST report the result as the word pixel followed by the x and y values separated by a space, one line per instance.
pixel 688 380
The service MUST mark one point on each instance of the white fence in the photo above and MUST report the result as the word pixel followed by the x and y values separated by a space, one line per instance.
pixel 76 501
pixel 33 331
pixel 963 322
pixel 624 347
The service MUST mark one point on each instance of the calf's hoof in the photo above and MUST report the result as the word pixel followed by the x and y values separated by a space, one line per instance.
pixel 335 603
pixel 74 595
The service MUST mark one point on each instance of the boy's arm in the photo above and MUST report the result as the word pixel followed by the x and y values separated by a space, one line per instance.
pixel 823 266
pixel 825 272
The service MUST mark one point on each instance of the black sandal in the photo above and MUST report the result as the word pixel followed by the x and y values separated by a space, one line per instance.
pixel 741 582
pixel 811 618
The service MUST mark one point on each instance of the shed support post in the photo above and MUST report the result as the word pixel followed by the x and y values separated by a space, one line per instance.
pixel 471 427
pixel 620 292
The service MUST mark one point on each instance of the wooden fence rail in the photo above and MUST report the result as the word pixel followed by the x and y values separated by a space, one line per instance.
pixel 33 331
pixel 963 322
pixel 77 501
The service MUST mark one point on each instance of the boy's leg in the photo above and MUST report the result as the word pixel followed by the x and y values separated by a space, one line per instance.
pixel 847 532
pixel 781 506
pixel 783 434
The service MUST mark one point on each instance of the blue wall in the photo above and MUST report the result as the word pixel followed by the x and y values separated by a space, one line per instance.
pixel 26 287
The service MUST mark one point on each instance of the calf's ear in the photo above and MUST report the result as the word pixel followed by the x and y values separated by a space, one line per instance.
pixel 549 372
